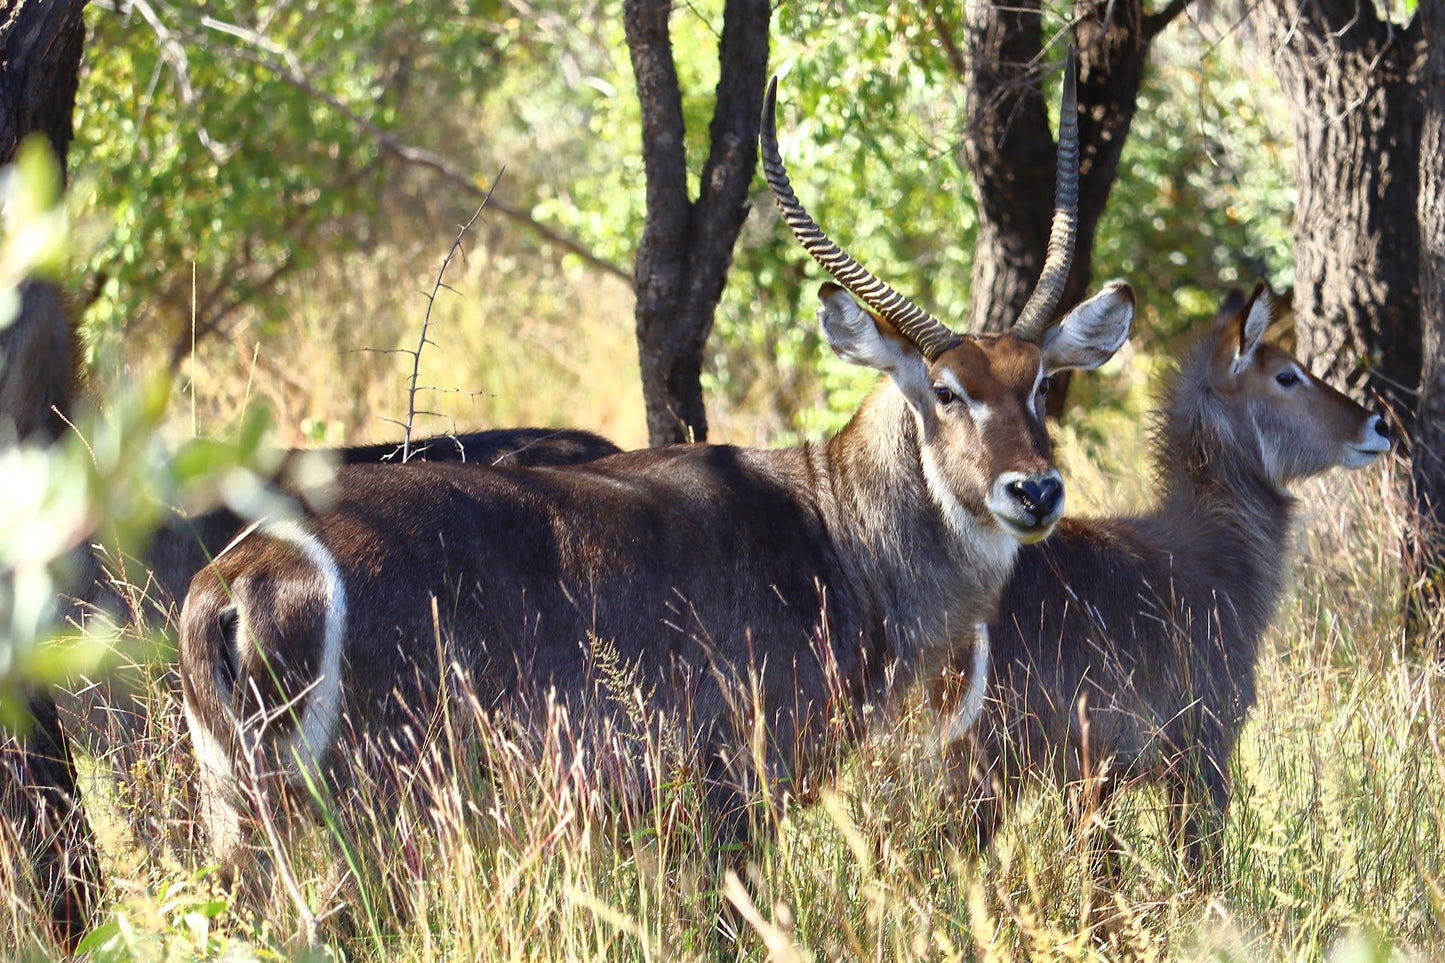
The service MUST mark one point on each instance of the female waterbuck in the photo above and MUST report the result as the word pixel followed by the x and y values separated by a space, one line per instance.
pixel 1124 648
pixel 809 582
pixel 41 372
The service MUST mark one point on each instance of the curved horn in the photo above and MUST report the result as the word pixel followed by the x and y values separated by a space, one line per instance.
pixel 931 336
pixel 1038 313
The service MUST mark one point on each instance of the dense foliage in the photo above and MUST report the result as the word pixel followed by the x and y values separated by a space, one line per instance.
pixel 227 150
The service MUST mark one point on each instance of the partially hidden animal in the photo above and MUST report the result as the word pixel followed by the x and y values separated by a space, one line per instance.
pixel 41 374
pixel 1125 647
pixel 153 585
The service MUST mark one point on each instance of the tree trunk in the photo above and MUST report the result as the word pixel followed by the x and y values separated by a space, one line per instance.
pixel 40 47
pixel 1426 572
pixel 687 246
pixel 41 42
pixel 39 797
pixel 1010 149
pixel 1347 76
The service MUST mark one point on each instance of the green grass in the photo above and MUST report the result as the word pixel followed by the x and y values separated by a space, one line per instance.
pixel 1335 846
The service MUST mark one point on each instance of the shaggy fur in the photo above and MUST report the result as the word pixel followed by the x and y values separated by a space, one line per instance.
pixel 732 586
pixel 1125 647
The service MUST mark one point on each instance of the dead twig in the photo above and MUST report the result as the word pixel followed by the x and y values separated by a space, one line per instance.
pixel 411 410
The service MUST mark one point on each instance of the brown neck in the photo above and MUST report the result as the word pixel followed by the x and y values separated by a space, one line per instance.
pixel 1217 498
pixel 941 576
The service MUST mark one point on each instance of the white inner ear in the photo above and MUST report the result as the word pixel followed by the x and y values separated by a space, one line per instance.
pixel 1090 333
pixel 1261 313
pixel 854 337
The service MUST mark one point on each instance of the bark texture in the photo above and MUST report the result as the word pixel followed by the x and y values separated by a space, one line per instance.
pixel 40 47
pixel 1426 586
pixel 1009 149
pixel 1349 77
pixel 687 245
pixel 41 42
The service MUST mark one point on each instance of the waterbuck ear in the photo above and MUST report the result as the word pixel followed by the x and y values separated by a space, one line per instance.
pixel 859 336
pixel 1091 333
pixel 1248 331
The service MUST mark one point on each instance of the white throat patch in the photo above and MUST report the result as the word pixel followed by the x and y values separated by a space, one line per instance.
pixel 961 521
pixel 994 548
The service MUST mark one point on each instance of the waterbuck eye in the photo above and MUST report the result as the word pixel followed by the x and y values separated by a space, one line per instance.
pixel 1044 385
pixel 944 394
pixel 1287 378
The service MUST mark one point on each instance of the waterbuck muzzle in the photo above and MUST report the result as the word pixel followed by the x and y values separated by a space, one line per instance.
pixel 1028 504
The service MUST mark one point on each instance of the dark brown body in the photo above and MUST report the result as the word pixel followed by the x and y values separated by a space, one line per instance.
pixel 700 567
pixel 108 715
pixel 153 586
pixel 744 606
pixel 1125 648
pixel 740 590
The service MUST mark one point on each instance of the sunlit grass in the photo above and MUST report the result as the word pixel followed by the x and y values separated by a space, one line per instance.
pixel 510 348
pixel 1335 843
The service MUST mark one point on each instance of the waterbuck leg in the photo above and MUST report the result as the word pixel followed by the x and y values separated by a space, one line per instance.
pixel 730 796
pixel 1198 790
pixel 974 796
pixel 1088 804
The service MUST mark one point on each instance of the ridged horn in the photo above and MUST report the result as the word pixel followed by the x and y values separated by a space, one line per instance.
pixel 931 336
pixel 1038 313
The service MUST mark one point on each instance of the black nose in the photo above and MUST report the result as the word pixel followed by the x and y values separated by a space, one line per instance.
pixel 1038 496
pixel 1382 428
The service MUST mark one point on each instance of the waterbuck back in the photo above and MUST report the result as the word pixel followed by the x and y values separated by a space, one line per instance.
pixel 152 586
pixel 1125 647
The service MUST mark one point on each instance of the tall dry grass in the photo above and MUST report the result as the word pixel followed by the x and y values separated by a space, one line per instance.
pixel 1335 845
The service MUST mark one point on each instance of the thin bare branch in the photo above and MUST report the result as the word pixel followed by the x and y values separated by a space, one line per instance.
pixel 411 410
pixel 173 53
pixel 1155 23
pixel 946 41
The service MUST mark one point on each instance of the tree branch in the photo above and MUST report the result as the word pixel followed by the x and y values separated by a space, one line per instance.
pixel 1154 23
pixel 722 204
pixel 411 412
pixel 290 72
pixel 664 155
pixel 945 40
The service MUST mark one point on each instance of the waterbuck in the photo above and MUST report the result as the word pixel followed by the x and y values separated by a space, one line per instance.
pixel 1124 647
pixel 814 580
pixel 40 376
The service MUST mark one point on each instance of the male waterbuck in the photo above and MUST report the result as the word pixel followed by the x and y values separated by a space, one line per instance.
pixel 809 581
pixel 1124 648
